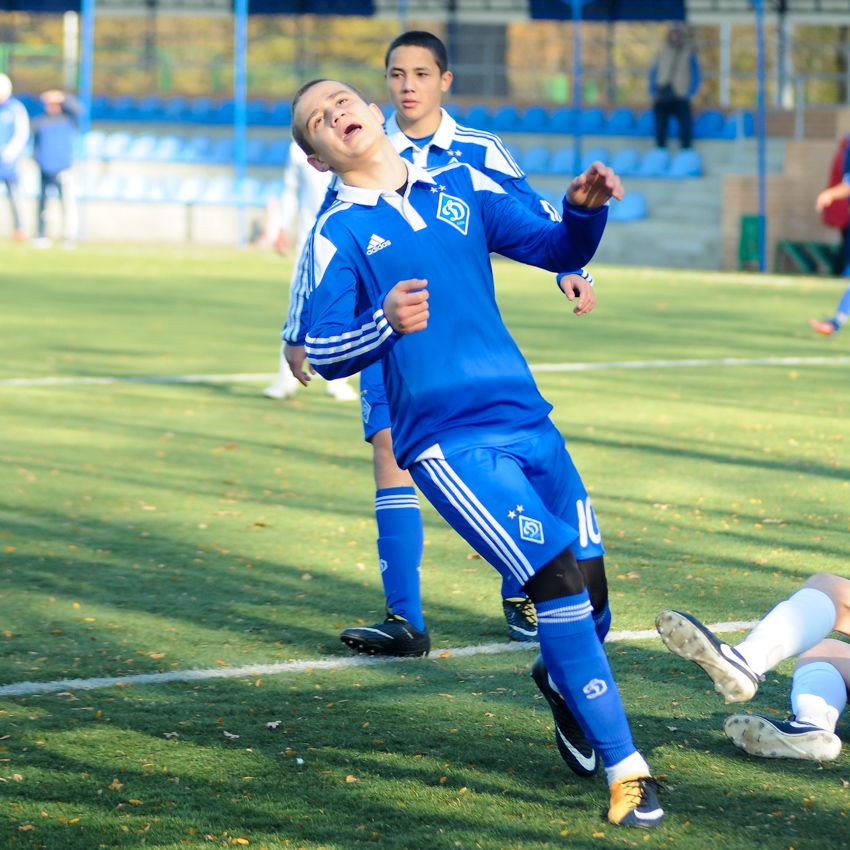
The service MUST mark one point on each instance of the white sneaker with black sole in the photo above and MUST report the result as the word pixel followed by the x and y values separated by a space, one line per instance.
pixel 775 739
pixel 688 638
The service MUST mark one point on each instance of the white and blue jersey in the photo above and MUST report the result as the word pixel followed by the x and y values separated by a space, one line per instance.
pixel 451 143
pixel 462 380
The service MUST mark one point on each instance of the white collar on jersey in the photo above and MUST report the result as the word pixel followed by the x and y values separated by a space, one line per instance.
pixel 370 197
pixel 443 138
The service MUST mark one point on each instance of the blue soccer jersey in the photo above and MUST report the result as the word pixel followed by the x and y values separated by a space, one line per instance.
pixel 451 143
pixel 463 377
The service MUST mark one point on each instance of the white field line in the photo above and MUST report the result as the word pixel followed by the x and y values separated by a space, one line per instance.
pixel 241 378
pixel 62 685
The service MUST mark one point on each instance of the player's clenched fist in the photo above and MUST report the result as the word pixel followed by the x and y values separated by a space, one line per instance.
pixel 595 186
pixel 406 306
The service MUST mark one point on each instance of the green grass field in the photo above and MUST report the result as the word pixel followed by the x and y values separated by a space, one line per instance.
pixel 151 527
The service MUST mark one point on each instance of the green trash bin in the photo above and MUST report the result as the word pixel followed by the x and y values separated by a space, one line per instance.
pixel 748 246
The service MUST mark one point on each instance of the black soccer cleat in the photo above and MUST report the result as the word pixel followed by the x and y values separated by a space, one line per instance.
pixel 521 617
pixel 572 743
pixel 395 636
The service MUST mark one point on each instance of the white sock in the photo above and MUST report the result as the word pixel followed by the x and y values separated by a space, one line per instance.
pixel 633 765
pixel 818 694
pixel 790 628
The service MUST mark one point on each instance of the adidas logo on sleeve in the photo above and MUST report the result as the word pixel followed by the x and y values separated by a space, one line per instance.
pixel 377 243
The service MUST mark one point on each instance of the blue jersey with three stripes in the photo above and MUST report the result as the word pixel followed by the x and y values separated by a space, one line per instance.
pixel 462 377
pixel 451 143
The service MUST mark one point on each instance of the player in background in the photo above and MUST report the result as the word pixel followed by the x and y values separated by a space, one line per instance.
pixel 418 77
pixel 831 326
pixel 14 135
pixel 468 420
pixel 798 626
pixel 304 190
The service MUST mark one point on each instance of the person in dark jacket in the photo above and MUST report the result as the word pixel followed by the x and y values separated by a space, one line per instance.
pixel 673 80
pixel 53 149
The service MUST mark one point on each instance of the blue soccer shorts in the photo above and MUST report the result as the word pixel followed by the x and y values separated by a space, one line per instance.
pixel 373 400
pixel 517 505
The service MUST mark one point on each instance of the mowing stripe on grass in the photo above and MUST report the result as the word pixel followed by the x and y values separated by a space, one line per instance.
pixel 30 688
pixel 540 367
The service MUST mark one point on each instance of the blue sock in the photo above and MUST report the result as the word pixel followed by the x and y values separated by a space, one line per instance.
pixel 602 622
pixel 511 588
pixel 843 309
pixel 579 667
pixel 400 551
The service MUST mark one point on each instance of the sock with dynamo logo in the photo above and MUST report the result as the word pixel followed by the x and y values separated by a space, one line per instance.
pixel 400 543
pixel 578 666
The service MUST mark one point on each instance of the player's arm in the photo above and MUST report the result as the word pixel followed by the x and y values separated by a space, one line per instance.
pixel 503 169
pixel 832 194
pixel 343 336
pixel 515 232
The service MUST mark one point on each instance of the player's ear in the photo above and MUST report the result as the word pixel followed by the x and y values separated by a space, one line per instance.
pixel 446 81
pixel 377 112
pixel 318 164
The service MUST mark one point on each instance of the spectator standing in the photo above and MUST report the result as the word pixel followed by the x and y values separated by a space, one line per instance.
pixel 832 203
pixel 673 80
pixel 14 135
pixel 54 134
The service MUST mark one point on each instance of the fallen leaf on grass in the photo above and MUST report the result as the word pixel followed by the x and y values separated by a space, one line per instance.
pixel 229 735
pixel 350 778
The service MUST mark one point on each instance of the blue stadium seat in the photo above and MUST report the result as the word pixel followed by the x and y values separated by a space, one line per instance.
pixel 256 112
pixel 150 108
pixel 740 123
pixel 219 190
pixel 222 151
pixel 563 120
pixel 280 114
pixel 535 119
pixel 626 162
pixel 709 124
pixel 592 121
pixel 563 161
pixel 536 160
pixel 223 112
pixel 621 122
pixel 645 123
pixel 175 109
pixel 141 148
pixel 109 187
pixel 251 192
pixel 506 118
pixel 122 108
pixel 654 163
pixel 99 108
pixel 631 208
pixel 455 110
pixel 686 163
pixel 116 145
pixel 255 151
pixel 135 188
pixel 196 149
pixel 200 110
pixel 479 117
pixel 159 191
pixel 93 143
pixel 592 154
pixel 277 153
pixel 168 149
pixel 272 189
pixel 190 190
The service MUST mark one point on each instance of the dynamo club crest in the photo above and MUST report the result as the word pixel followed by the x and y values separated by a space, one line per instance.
pixel 454 211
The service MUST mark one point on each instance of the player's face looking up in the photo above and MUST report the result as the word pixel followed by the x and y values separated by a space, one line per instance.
pixel 416 89
pixel 337 123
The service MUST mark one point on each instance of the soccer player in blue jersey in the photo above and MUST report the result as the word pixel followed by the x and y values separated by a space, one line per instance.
pixel 400 272
pixel 421 131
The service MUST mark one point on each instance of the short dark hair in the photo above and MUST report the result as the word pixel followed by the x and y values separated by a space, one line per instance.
pixel 298 135
pixel 420 38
